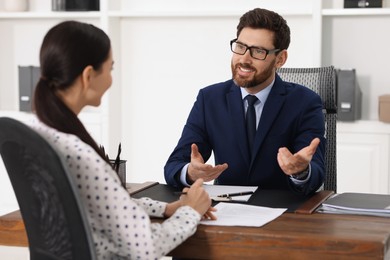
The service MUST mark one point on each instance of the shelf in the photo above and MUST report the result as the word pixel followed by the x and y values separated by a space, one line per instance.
pixel 49 15
pixel 363 126
pixel 200 13
pixel 131 14
pixel 356 11
pixel 235 13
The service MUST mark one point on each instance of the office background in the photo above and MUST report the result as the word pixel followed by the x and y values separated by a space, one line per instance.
pixel 165 51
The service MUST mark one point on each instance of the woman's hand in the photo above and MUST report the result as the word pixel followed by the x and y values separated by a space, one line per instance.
pixel 197 198
pixel 209 214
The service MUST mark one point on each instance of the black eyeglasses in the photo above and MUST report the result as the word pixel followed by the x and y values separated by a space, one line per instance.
pixel 255 52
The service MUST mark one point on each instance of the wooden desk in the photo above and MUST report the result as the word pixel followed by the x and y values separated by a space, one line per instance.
pixel 294 236
pixel 291 236
pixel 12 230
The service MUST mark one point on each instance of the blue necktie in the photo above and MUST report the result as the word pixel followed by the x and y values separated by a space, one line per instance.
pixel 251 119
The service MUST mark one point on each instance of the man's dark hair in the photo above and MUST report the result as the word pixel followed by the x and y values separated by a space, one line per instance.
pixel 264 19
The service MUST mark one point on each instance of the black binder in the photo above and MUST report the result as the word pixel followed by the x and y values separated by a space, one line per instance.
pixel 28 78
pixel 358 203
pixel 363 3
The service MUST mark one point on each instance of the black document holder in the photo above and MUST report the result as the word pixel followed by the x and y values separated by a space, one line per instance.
pixel 265 198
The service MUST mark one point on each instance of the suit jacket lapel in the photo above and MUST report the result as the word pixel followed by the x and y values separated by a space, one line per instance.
pixel 237 115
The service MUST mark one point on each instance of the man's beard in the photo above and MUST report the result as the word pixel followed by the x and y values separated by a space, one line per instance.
pixel 256 80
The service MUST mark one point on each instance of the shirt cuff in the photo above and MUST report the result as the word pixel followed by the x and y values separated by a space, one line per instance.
pixel 301 182
pixel 183 175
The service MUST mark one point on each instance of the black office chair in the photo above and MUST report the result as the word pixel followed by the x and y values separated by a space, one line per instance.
pixel 55 222
pixel 322 81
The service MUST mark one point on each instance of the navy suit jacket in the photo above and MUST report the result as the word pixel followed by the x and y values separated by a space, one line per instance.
pixel 292 117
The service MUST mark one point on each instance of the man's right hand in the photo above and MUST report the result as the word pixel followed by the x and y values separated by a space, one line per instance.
pixel 198 169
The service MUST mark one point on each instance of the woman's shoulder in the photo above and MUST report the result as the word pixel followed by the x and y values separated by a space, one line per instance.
pixel 60 141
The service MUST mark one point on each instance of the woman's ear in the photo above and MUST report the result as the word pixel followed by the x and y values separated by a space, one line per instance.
pixel 86 76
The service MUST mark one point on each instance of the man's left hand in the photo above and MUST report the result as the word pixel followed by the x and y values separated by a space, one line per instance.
pixel 298 162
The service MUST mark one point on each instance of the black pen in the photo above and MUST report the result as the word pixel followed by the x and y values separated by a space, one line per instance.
pixel 228 195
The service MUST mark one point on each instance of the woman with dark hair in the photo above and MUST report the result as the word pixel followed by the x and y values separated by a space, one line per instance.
pixel 76 63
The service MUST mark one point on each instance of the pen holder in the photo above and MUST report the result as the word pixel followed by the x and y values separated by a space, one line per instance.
pixel 121 171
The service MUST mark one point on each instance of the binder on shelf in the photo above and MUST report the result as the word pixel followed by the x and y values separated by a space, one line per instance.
pixel 75 5
pixel 28 78
pixel 362 3
pixel 384 108
pixel 349 96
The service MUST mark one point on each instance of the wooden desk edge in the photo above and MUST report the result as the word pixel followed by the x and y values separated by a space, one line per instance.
pixel 12 230
pixel 314 202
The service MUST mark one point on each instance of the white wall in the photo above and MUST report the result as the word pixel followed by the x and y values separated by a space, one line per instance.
pixel 8 202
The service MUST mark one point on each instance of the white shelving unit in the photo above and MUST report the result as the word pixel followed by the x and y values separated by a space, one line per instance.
pixel 356 11
pixel 363 155
pixel 363 147
pixel 49 15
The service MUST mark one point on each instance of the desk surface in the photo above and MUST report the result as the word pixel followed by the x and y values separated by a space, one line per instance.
pixel 294 236
pixel 290 236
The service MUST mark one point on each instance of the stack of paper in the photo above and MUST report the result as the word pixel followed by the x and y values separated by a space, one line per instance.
pixel 358 203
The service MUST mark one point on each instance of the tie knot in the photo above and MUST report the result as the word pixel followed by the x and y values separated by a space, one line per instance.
pixel 251 99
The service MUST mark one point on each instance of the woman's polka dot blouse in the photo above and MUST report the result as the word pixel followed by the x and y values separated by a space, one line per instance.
pixel 120 224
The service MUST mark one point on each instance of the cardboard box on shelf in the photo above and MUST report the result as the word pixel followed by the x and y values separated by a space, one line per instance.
pixel 384 108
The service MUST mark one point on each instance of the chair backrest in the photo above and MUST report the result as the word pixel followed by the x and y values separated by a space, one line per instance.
pixel 56 224
pixel 322 81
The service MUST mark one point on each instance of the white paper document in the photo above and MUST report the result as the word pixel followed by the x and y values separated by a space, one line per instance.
pixel 234 214
pixel 216 190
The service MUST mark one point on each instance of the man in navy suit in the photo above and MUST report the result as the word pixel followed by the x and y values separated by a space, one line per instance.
pixel 288 146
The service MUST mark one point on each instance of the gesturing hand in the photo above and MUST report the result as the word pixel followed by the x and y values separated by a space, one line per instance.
pixel 198 169
pixel 298 162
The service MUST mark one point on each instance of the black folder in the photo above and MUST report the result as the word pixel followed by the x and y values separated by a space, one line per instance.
pixel 266 198
pixel 358 203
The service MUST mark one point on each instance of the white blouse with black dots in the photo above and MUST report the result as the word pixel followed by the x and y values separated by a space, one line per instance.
pixel 120 224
